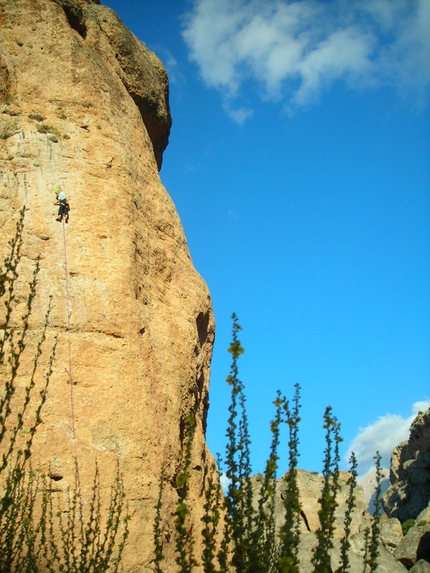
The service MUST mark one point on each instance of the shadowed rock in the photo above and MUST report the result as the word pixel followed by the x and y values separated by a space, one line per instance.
pixel 409 492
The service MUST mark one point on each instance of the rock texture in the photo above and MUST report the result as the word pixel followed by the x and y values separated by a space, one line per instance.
pixel 85 106
pixel 368 484
pixel 310 485
pixel 420 566
pixel 408 496
pixel 409 492
pixel 415 546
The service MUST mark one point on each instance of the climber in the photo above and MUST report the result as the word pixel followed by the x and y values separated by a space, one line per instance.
pixel 64 207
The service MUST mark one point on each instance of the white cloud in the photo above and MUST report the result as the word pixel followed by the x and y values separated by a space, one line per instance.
pixel 238 115
pixel 383 435
pixel 294 49
pixel 225 482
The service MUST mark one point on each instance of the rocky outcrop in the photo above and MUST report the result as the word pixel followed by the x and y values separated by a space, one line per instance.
pixel 397 553
pixel 84 106
pixel 139 69
pixel 310 486
pixel 415 546
pixel 408 496
pixel 409 492
pixel 414 549
pixel 420 566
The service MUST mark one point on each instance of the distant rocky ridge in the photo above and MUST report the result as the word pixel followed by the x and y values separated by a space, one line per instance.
pixel 310 485
pixel 408 497
pixel 368 484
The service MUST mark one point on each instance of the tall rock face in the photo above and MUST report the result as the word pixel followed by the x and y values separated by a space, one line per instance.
pixel 310 486
pixel 409 492
pixel 85 106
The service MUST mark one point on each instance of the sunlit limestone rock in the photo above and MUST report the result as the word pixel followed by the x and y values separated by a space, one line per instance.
pixel 85 106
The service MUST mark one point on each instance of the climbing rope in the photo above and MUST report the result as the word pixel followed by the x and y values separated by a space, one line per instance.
pixel 69 369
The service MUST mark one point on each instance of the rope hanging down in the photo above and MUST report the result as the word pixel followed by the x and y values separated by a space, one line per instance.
pixel 69 370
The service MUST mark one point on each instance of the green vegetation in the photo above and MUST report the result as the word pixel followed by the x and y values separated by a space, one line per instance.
pixel 321 557
pixel 184 534
pixel 12 112
pixel 36 116
pixel 39 533
pixel 8 127
pixel 8 98
pixel 43 128
pixel 239 533
pixel 372 533
pixel 350 505
pixel 290 531
pixel 407 525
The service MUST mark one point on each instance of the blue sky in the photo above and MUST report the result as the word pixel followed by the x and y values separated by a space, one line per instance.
pixel 299 162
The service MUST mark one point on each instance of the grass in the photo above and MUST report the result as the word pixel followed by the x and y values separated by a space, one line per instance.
pixel 48 129
pixel 8 128
pixel 11 112
pixel 36 116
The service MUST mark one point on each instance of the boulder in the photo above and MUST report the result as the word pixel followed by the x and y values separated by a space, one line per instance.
pixel 420 566
pixel 424 516
pixel 414 546
pixel 391 534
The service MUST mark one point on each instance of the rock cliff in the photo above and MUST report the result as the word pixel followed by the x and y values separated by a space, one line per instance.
pixel 84 105
pixel 409 492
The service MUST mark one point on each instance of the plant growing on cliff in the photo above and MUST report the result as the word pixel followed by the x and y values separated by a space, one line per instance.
pixel 372 534
pixel 211 519
pixel 90 541
pixel 265 532
pixel 18 496
pixel 47 129
pixel 290 531
pixel 37 534
pixel 241 523
pixel 157 528
pixel 407 525
pixel 250 541
pixel 321 555
pixel 36 116
pixel 8 128
pixel 345 543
